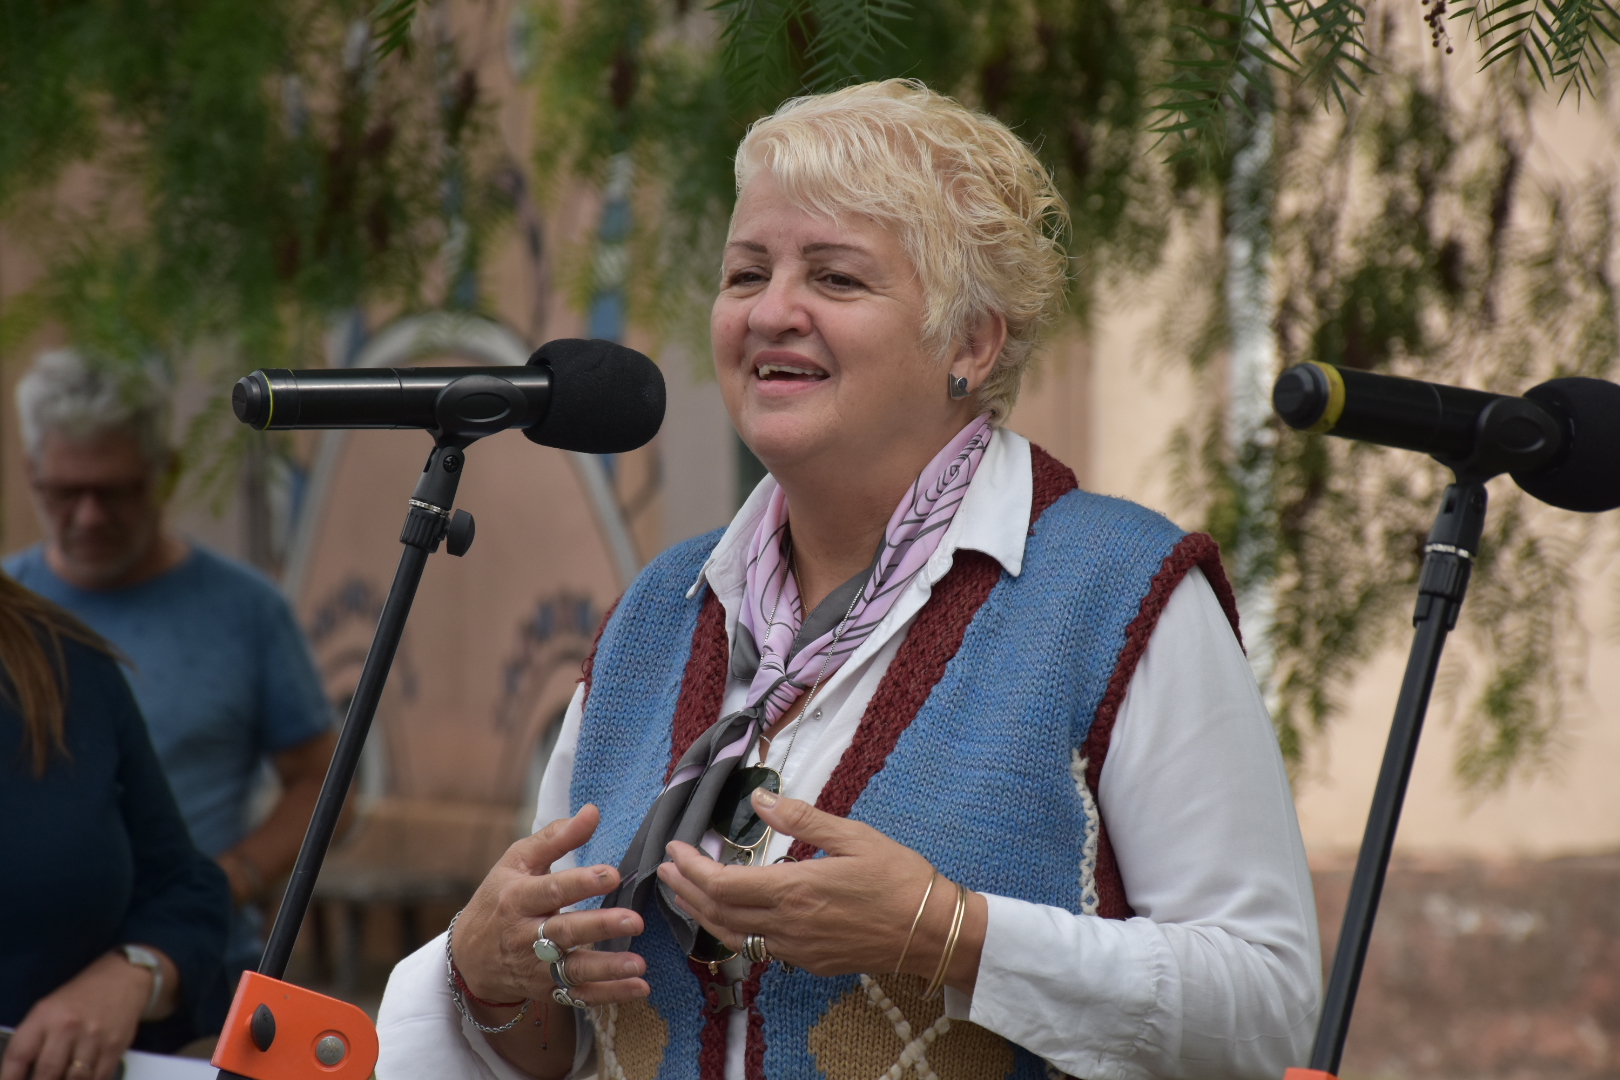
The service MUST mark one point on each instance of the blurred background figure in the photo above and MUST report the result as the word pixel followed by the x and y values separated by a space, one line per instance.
pixel 112 923
pixel 218 664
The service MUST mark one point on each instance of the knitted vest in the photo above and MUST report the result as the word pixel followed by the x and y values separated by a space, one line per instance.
pixel 982 749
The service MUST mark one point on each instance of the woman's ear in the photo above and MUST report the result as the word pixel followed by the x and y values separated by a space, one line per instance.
pixel 976 355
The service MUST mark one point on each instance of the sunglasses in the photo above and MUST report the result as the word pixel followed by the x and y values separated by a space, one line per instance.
pixel 744 838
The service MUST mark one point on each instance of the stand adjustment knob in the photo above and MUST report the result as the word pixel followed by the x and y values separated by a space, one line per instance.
pixel 262 1028
pixel 458 536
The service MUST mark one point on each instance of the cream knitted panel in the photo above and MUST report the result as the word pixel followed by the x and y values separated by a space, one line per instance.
pixel 630 1040
pixel 1088 846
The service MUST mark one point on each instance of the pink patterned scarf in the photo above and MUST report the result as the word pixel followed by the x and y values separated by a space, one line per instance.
pixel 782 654
pixel 773 614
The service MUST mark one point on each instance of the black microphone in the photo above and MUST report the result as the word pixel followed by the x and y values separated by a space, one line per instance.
pixel 596 397
pixel 1560 441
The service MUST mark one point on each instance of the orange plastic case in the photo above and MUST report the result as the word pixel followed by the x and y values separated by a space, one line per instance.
pixel 302 1020
pixel 1308 1074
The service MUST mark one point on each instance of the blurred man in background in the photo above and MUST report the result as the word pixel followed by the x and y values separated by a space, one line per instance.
pixel 220 669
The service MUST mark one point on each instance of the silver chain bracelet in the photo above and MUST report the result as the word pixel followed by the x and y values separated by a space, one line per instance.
pixel 460 999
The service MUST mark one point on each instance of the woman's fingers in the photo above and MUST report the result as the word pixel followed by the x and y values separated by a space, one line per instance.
pixel 586 967
pixel 578 928
pixel 609 993
pixel 802 821
pixel 21 1052
pixel 535 854
pixel 536 896
pixel 724 921
pixel 106 1065
pixel 728 888
pixel 98 1059
pixel 55 1052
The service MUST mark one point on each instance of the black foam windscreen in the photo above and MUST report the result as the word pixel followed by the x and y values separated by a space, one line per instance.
pixel 605 398
pixel 1587 477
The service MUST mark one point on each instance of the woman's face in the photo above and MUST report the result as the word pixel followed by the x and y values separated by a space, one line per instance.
pixel 816 339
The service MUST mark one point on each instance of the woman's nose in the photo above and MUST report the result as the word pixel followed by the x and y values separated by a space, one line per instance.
pixel 780 310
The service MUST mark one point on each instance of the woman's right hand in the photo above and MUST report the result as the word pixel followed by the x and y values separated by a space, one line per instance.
pixel 494 937
pixel 80 1030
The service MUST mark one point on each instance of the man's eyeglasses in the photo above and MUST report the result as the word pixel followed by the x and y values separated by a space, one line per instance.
pixel 60 498
pixel 743 835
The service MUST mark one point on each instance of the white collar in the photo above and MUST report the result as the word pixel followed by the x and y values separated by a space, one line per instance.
pixel 993 519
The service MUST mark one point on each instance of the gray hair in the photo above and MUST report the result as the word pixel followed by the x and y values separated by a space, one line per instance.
pixel 67 393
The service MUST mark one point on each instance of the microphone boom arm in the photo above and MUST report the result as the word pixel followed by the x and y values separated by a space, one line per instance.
pixel 244 1052
pixel 1508 434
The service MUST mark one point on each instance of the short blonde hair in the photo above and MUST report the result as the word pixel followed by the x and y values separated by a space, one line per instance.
pixel 976 211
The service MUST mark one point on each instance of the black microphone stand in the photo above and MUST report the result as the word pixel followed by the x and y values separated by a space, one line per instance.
pixel 1447 562
pixel 1508 440
pixel 428 520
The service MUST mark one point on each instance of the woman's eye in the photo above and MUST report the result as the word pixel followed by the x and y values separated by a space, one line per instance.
pixel 840 281
pixel 744 277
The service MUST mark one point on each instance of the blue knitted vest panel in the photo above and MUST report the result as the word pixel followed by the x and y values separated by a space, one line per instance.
pixel 980 782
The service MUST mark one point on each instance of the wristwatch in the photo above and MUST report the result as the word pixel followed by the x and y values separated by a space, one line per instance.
pixel 141 956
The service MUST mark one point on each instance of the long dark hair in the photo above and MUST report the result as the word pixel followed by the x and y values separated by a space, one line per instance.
pixel 35 677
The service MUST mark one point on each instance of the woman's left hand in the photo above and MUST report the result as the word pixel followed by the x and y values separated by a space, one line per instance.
pixel 81 1029
pixel 849 912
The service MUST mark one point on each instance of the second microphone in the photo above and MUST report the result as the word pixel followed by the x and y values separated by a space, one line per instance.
pixel 592 396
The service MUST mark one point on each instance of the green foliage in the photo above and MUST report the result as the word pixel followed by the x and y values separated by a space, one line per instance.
pixel 1232 51
pixel 253 173
pixel 651 80
pixel 391 23
pixel 827 41
pixel 1560 41
pixel 1411 242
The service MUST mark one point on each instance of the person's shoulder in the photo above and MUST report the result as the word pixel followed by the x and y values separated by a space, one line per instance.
pixel 24 566
pixel 219 571
pixel 680 562
pixel 95 679
pixel 1081 511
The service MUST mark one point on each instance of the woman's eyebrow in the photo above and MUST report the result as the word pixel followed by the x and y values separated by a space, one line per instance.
pixel 748 245
pixel 817 249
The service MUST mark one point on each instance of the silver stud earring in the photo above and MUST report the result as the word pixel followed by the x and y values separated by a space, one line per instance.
pixel 958 385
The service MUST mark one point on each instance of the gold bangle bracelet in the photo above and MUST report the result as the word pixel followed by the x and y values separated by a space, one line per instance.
pixel 900 963
pixel 937 983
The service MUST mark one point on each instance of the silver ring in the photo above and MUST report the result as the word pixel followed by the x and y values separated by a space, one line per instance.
pixel 754 949
pixel 563 997
pixel 559 974
pixel 546 950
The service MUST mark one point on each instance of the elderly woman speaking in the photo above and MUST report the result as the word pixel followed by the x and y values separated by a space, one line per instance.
pixel 932 763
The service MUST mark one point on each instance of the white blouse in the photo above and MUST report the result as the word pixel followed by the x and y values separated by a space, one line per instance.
pixel 1219 973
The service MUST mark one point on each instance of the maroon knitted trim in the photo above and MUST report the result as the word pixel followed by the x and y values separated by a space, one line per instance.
pixel 703 690
pixel 1194 549
pixel 918 665
pixel 589 665
pixel 703 687
pixel 1053 480
pixel 712 1040
pixel 754 1054
pixel 929 645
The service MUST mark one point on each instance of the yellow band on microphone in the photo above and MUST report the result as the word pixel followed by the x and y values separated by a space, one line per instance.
pixel 270 396
pixel 1335 403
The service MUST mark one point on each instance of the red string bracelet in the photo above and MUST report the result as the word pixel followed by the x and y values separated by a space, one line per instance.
pixel 461 984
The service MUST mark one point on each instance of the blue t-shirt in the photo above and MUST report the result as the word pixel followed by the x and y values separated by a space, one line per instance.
pixel 220 669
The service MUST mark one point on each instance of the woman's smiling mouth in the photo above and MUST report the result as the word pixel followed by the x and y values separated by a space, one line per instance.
pixel 789 373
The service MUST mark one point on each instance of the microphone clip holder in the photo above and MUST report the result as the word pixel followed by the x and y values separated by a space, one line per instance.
pixel 1513 435
pixel 467 409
